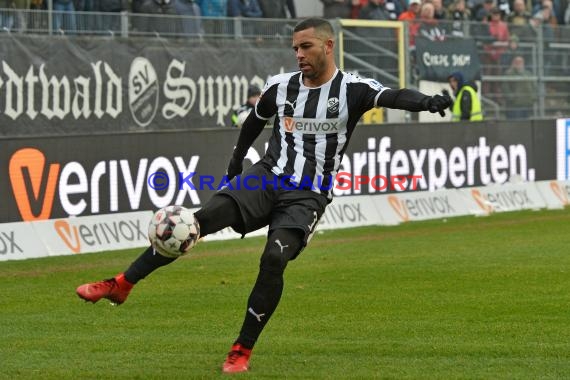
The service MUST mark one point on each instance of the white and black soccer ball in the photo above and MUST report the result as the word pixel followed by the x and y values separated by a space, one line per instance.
pixel 173 231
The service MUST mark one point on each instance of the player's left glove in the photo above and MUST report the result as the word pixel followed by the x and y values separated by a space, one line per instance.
pixel 438 103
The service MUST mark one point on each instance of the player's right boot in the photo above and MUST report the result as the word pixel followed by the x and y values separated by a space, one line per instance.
pixel 115 289
pixel 237 360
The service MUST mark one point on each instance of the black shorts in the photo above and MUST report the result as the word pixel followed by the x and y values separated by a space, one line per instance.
pixel 264 201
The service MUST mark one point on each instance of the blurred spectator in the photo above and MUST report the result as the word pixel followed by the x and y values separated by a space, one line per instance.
pixel 542 27
pixel 505 7
pixel 337 8
pixel 520 95
pixel 518 21
pixel 513 50
pixel 148 22
pixel 239 115
pixel 394 8
pixel 7 17
pixel 439 12
pixel 555 10
pixel 277 8
pixel 213 11
pixel 466 105
pixel 499 33
pixel 494 46
pixel 546 13
pixel 375 10
pixel 213 8
pixel 543 19
pixel 412 12
pixel 113 8
pixel 429 25
pixel 459 16
pixel 357 5
pixel 244 8
pixel 87 21
pixel 64 16
pixel 192 26
pixel 567 15
pixel 482 12
pixel 411 16
pixel 22 14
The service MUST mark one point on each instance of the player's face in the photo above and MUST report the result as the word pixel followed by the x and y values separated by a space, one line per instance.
pixel 312 53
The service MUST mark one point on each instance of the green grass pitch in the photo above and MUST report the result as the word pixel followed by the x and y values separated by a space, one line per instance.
pixel 466 298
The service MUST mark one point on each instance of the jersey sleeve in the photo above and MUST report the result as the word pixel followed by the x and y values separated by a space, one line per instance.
pixel 364 93
pixel 266 105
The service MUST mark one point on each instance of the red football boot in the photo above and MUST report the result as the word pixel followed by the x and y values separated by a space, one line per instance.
pixel 115 289
pixel 237 360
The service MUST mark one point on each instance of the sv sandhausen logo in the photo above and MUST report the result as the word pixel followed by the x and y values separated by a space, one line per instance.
pixel 312 126
pixel 143 91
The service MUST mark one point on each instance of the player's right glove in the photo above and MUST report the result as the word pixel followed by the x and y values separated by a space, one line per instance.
pixel 235 167
pixel 438 103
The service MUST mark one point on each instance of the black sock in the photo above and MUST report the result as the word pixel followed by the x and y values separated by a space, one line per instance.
pixel 282 245
pixel 261 304
pixel 145 264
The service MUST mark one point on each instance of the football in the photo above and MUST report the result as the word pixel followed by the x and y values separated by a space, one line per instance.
pixel 173 231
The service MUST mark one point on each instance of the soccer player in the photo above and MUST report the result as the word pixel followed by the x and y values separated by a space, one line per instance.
pixel 316 110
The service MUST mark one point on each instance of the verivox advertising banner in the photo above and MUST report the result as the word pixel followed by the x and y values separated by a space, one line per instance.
pixel 437 59
pixel 58 177
pixel 68 85
pixel 94 233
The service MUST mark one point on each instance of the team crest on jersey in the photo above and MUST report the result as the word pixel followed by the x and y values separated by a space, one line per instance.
pixel 332 105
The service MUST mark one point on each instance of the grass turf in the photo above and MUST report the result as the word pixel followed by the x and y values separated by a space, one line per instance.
pixel 473 298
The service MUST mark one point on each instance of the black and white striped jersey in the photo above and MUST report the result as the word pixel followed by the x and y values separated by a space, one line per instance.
pixel 313 126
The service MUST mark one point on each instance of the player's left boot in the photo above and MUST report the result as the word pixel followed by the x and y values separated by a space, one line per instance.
pixel 115 289
pixel 237 360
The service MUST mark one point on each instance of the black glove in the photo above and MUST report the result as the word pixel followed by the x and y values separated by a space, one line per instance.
pixel 445 92
pixel 438 103
pixel 235 167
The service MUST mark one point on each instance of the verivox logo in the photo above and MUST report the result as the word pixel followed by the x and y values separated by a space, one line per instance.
pixel 312 126
pixel 420 206
pixel 561 192
pixel 504 199
pixel 42 188
pixel 68 234
pixel 399 207
pixel 92 233
pixel 33 184
pixel 481 201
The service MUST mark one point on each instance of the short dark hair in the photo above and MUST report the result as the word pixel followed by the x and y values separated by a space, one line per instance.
pixel 320 24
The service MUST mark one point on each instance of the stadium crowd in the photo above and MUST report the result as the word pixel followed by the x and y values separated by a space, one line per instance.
pixel 521 16
pixel 504 29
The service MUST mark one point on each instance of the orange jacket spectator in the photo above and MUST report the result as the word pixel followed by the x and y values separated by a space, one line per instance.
pixel 410 17
pixel 499 32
